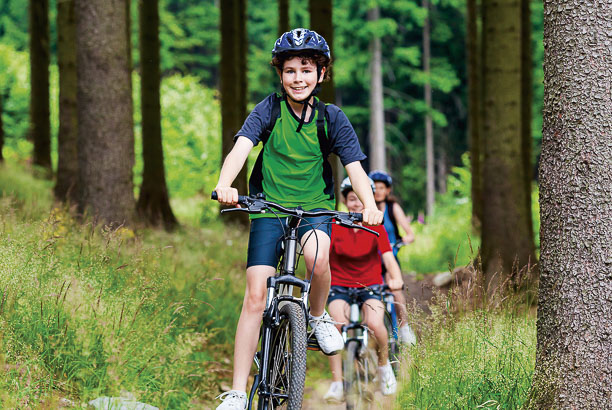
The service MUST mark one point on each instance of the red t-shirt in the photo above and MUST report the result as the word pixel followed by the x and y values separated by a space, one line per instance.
pixel 354 256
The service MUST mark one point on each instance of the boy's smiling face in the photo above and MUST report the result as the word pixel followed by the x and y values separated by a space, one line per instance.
pixel 299 77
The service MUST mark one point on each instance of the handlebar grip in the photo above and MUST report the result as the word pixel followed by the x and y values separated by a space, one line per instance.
pixel 242 199
pixel 356 216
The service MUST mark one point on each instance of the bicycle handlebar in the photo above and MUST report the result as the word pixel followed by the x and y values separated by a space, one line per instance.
pixel 256 205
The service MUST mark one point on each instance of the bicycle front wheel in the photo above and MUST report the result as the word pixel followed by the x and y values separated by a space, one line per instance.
pixel 358 370
pixel 392 331
pixel 287 364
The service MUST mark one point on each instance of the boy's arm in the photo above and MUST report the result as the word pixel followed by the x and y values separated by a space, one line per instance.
pixel 394 274
pixel 361 185
pixel 403 221
pixel 231 167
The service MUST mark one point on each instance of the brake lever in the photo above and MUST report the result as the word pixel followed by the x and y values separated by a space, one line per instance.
pixel 347 223
pixel 223 211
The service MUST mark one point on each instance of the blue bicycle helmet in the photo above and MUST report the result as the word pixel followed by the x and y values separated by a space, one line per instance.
pixel 301 39
pixel 346 186
pixel 381 176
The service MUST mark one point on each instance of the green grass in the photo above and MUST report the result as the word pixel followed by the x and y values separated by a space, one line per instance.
pixel 87 311
pixel 478 359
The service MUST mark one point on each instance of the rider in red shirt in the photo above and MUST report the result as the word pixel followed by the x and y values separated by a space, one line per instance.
pixel 355 262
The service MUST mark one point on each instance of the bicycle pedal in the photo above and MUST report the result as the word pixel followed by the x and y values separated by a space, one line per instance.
pixel 312 343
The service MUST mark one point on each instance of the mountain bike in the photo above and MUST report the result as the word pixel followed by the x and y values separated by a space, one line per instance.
pixel 281 359
pixel 391 320
pixel 359 363
pixel 391 324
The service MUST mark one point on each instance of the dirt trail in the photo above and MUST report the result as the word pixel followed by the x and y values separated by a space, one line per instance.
pixel 313 398
pixel 420 292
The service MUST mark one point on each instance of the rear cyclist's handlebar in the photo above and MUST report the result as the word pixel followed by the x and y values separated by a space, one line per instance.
pixel 255 205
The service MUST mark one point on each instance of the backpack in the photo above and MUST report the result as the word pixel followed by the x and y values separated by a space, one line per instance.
pixel 390 205
pixel 256 179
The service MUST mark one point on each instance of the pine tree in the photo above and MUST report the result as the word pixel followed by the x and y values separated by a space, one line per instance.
pixel 67 155
pixel 105 113
pixel 153 203
pixel 574 352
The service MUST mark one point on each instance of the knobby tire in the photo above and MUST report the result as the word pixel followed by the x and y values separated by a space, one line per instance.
pixel 287 365
pixel 357 370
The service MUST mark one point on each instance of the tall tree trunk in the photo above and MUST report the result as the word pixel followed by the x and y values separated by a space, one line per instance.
pixel 526 105
pixel 507 243
pixel 429 138
pixel 67 157
pixel 442 168
pixel 321 21
pixel 233 84
pixel 283 16
pixel 474 110
pixel 378 158
pixel 40 131
pixel 574 351
pixel 105 132
pixel 153 203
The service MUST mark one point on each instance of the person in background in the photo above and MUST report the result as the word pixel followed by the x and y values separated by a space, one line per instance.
pixel 394 216
pixel 354 262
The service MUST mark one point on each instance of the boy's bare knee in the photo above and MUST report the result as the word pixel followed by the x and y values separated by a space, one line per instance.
pixel 254 302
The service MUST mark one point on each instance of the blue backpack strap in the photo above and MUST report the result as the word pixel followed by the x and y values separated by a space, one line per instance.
pixel 256 179
pixel 274 115
pixel 325 149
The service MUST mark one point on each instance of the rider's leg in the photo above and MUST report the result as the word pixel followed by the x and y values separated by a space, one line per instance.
pixel 247 332
pixel 338 309
pixel 400 307
pixel 374 313
pixel 321 278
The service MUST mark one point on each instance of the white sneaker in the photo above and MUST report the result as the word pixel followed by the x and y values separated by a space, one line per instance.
pixel 335 394
pixel 407 336
pixel 329 338
pixel 232 400
pixel 388 384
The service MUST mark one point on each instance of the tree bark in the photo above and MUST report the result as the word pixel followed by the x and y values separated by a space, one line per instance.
pixel 153 202
pixel 378 158
pixel 526 105
pixel 105 113
pixel 233 85
pixel 66 188
pixel 40 131
pixel 321 21
pixel 507 244
pixel 474 110
pixel 283 17
pixel 574 350
pixel 429 137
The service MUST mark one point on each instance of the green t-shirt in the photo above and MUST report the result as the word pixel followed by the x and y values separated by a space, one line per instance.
pixel 293 163
pixel 290 169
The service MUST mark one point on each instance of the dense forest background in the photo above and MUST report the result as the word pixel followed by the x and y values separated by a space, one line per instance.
pixel 189 49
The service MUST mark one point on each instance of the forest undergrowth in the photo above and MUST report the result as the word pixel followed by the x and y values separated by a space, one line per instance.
pixel 89 311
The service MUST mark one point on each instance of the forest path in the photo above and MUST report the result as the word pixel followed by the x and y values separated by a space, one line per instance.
pixel 419 292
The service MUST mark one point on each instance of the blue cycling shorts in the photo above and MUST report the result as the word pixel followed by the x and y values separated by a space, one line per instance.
pixel 335 293
pixel 266 235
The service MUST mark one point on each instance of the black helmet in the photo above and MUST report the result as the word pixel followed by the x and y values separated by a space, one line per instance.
pixel 301 39
pixel 381 176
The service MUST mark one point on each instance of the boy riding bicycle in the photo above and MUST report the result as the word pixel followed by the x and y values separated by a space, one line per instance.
pixel 298 133
pixel 355 263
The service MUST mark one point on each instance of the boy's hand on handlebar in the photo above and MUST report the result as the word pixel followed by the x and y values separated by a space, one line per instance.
pixel 395 284
pixel 372 217
pixel 227 195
